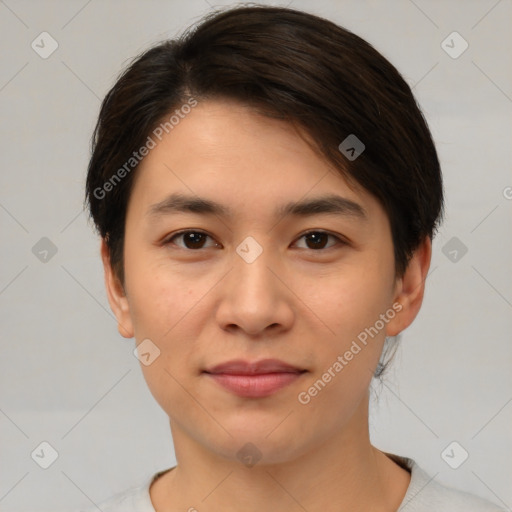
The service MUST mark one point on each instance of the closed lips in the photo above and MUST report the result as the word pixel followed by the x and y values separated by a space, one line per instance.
pixel 265 366
pixel 254 380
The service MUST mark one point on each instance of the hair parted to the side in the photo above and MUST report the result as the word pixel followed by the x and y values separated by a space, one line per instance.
pixel 287 64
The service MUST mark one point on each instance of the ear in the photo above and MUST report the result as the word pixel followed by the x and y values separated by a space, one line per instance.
pixel 116 295
pixel 410 288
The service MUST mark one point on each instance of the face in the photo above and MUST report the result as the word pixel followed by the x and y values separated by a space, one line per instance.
pixel 246 279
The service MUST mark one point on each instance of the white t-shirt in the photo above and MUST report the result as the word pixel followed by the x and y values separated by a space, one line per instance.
pixel 424 494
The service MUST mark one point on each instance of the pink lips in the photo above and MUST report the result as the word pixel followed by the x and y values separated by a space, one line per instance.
pixel 254 380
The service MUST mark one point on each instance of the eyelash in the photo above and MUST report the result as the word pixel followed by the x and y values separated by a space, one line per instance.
pixel 169 240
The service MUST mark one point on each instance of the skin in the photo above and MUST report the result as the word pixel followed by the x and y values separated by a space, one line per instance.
pixel 295 302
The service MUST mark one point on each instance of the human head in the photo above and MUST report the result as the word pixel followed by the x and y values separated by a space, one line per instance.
pixel 248 71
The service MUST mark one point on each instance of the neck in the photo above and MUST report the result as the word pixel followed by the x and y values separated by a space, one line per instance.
pixel 342 473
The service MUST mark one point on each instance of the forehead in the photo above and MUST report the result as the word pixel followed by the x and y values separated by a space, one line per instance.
pixel 231 154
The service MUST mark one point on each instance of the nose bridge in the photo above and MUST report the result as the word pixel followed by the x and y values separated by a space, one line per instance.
pixel 251 270
pixel 254 298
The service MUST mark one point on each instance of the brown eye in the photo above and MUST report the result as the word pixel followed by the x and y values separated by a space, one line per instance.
pixel 317 240
pixel 191 239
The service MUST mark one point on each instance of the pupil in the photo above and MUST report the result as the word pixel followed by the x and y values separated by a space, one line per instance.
pixel 317 239
pixel 193 238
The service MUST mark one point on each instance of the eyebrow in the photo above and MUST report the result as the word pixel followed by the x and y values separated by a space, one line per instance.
pixel 330 204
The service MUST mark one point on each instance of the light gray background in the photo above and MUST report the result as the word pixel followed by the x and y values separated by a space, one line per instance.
pixel 67 376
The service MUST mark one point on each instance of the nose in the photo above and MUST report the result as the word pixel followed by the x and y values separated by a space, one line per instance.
pixel 255 298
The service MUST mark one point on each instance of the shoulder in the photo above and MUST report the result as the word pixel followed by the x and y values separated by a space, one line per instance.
pixel 134 499
pixel 426 494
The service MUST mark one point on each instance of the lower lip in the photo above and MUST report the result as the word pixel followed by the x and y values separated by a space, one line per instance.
pixel 255 386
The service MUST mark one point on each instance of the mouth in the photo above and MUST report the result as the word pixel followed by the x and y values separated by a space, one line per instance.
pixel 256 379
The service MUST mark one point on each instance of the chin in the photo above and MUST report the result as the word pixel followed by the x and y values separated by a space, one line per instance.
pixel 250 446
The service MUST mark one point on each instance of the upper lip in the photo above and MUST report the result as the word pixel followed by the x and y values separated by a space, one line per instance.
pixel 241 367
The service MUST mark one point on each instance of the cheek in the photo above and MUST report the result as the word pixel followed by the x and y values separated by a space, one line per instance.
pixel 351 300
pixel 168 306
pixel 349 348
pixel 161 296
pixel 169 312
pixel 350 304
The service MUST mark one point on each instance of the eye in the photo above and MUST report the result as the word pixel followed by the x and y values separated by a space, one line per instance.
pixel 317 240
pixel 192 239
pixel 195 239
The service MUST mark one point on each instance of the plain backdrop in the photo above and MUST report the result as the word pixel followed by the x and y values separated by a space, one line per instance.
pixel 67 378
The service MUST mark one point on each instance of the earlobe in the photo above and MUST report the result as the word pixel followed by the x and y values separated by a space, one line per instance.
pixel 116 295
pixel 410 288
